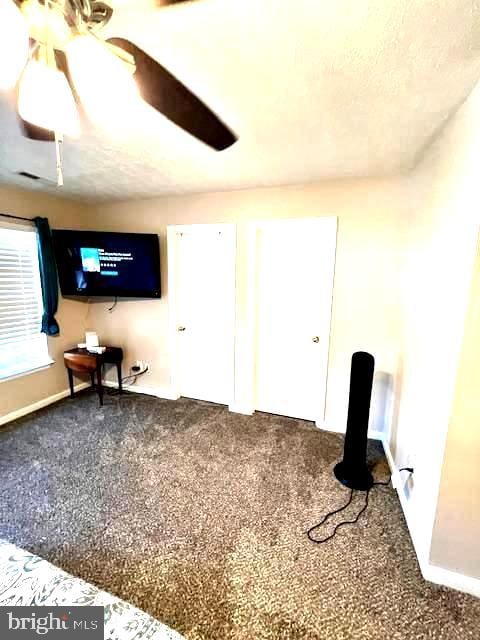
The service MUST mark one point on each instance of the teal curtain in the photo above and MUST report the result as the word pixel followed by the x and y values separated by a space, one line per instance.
pixel 48 277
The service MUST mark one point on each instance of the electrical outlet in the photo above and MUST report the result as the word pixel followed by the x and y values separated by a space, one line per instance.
pixel 141 364
pixel 410 460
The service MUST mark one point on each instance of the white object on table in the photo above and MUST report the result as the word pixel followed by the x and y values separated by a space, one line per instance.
pixel 91 339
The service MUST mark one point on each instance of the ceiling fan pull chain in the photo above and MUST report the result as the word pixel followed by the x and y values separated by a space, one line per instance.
pixel 58 153
pixel 52 63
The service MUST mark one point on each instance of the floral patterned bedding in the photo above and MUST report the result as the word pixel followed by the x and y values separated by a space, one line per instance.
pixel 28 580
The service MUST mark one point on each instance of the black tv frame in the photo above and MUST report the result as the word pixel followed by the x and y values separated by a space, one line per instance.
pixel 116 292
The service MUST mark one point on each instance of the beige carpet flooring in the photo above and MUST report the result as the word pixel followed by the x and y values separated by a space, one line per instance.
pixel 197 516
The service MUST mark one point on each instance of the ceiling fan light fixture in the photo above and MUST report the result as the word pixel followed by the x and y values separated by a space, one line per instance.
pixel 14 44
pixel 45 99
pixel 46 22
pixel 104 82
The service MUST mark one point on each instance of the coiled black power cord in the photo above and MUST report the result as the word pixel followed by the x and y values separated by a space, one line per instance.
pixel 347 504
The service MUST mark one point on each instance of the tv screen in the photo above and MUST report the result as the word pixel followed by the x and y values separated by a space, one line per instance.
pixel 92 263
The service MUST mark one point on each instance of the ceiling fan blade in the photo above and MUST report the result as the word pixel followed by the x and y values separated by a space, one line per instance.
pixel 168 95
pixel 120 5
pixel 62 65
pixel 33 132
pixel 167 3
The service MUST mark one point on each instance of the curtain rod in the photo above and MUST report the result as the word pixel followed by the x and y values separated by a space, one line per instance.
pixel 8 215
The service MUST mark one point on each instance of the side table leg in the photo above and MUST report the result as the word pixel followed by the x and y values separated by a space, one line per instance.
pixel 70 382
pixel 119 374
pixel 99 383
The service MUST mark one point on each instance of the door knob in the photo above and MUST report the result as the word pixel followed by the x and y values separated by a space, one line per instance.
pixel 180 328
pixel 315 339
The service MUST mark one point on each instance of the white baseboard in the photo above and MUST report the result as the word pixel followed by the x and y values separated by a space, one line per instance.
pixel 237 407
pixel 393 467
pixel 430 572
pixel 165 393
pixel 397 483
pixel 372 434
pixel 452 579
pixel 19 413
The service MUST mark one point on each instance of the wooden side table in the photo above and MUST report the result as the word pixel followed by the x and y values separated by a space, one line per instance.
pixel 82 361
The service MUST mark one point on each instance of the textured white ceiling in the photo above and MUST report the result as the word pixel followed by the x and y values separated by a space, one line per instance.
pixel 314 89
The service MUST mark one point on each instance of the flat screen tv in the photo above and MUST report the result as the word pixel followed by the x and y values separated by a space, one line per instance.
pixel 92 263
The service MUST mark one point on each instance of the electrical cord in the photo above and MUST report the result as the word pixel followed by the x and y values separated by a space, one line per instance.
pixel 347 504
pixel 129 384
pixel 327 516
pixel 113 305
pixel 134 376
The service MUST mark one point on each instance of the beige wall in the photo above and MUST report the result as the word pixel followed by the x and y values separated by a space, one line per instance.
pixel 26 390
pixel 455 543
pixel 372 218
pixel 445 196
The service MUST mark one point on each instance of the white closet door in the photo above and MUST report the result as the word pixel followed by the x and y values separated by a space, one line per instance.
pixel 295 269
pixel 205 311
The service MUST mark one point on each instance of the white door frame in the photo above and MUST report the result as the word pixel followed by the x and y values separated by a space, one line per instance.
pixel 172 253
pixel 330 224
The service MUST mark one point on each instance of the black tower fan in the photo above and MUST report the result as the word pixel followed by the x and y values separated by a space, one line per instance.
pixel 352 471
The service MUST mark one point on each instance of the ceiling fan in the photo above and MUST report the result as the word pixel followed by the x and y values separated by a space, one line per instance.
pixel 55 51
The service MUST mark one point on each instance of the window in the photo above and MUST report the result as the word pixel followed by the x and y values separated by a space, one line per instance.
pixel 22 346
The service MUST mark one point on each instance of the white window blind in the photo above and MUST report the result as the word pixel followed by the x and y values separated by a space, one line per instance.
pixel 22 346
